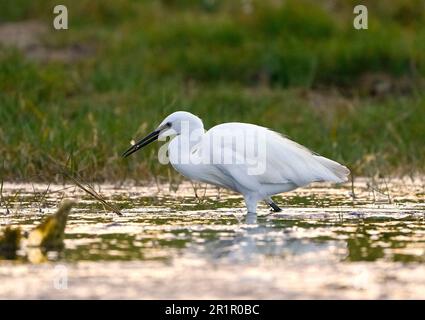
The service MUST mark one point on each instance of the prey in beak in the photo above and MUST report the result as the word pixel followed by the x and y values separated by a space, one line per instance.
pixel 145 141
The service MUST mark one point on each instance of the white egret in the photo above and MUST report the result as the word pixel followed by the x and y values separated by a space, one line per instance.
pixel 242 157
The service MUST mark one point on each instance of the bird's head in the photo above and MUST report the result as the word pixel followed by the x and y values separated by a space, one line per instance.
pixel 173 125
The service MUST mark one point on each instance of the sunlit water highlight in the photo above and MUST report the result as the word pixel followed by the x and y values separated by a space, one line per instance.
pixel 325 243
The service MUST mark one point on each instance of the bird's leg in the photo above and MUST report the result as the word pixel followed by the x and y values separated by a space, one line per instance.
pixel 195 189
pixel 251 204
pixel 218 193
pixel 251 218
pixel 274 206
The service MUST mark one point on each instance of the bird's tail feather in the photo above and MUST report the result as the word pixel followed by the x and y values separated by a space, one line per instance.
pixel 340 172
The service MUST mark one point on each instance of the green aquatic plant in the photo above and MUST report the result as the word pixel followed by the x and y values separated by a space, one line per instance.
pixel 50 233
pixel 10 241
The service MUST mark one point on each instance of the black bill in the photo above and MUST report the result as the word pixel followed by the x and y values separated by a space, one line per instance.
pixel 143 142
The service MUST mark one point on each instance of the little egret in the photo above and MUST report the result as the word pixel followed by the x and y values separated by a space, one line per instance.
pixel 242 157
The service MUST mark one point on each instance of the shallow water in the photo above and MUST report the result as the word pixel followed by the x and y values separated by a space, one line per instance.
pixel 325 244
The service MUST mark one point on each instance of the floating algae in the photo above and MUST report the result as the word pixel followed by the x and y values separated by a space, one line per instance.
pixel 9 242
pixel 50 233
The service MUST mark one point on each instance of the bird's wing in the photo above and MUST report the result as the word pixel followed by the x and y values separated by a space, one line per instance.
pixel 290 161
pixel 275 159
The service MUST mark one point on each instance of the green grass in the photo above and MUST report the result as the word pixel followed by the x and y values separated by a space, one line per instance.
pixel 298 68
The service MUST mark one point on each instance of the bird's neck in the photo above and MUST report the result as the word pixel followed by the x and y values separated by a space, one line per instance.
pixel 183 146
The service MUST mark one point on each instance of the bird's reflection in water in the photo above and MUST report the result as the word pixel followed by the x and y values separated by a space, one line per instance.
pixel 258 237
pixel 245 245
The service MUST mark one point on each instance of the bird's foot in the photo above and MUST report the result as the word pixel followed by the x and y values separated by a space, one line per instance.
pixel 274 208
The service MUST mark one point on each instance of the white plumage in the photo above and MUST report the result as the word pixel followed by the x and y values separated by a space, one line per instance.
pixel 259 163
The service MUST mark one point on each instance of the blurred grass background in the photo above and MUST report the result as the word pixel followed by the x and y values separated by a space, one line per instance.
pixel 298 67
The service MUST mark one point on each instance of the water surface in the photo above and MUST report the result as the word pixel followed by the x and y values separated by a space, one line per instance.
pixel 360 241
